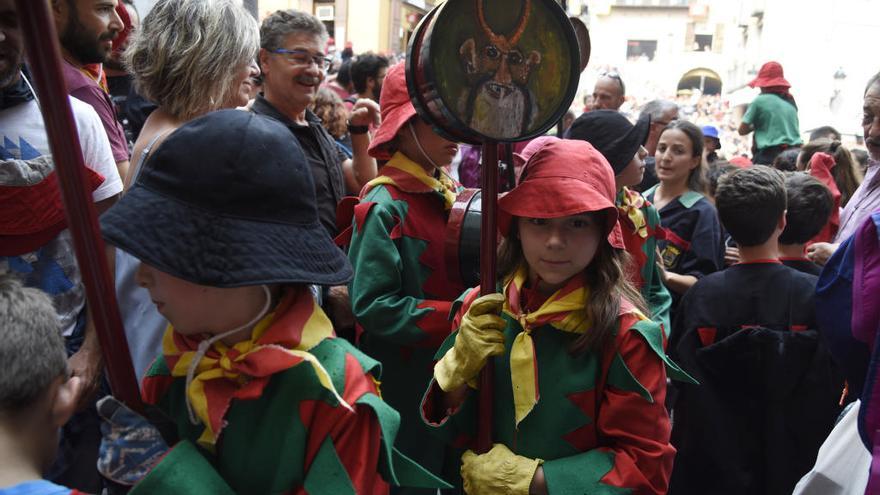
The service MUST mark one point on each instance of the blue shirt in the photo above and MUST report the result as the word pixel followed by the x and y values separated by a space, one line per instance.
pixel 36 487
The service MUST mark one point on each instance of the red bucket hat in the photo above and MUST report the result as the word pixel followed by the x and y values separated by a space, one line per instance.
pixel 397 109
pixel 563 177
pixel 770 75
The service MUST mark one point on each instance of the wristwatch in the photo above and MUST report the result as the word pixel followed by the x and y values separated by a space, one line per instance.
pixel 357 129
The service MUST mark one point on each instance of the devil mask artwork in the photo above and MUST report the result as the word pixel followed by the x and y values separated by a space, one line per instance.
pixel 499 104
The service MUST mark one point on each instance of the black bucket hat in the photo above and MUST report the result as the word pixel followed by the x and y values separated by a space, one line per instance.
pixel 612 134
pixel 228 200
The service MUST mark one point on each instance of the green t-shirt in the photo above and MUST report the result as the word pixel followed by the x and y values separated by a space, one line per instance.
pixel 775 121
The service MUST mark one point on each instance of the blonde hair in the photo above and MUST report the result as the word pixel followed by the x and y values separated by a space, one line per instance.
pixel 186 54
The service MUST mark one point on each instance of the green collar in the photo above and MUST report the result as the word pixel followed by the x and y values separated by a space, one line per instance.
pixel 688 199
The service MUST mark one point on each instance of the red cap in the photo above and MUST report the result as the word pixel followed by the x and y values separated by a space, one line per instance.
pixel 397 109
pixel 740 161
pixel 563 177
pixel 770 75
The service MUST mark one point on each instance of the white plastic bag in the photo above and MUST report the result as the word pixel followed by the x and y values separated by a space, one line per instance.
pixel 842 464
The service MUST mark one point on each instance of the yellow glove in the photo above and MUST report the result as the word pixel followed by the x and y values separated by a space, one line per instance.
pixel 479 336
pixel 497 471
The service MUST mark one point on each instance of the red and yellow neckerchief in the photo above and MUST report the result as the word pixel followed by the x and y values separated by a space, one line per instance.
pixel 281 340
pixel 409 176
pixel 631 203
pixel 564 310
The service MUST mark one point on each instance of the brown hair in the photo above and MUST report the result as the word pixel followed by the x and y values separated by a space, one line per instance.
pixel 329 108
pixel 697 176
pixel 605 277
pixel 846 173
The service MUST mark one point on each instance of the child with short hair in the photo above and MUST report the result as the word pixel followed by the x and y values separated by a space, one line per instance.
pixel 265 398
pixel 37 395
pixel 747 334
pixel 580 372
pixel 809 207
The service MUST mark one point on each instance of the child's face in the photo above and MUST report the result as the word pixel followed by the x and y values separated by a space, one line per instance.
pixel 195 309
pixel 439 149
pixel 675 156
pixel 634 172
pixel 557 249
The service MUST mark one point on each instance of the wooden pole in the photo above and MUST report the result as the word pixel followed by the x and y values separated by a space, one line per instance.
pixel 488 246
pixel 41 44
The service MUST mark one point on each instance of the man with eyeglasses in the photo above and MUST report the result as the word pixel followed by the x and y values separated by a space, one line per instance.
pixel 294 66
pixel 609 92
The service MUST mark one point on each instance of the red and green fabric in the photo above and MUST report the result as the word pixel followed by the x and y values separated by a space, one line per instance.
pixel 289 433
pixel 401 295
pixel 600 424
pixel 640 222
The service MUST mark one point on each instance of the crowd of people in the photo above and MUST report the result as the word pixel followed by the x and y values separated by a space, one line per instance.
pixel 674 311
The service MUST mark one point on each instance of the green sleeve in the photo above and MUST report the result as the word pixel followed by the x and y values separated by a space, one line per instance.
pixel 749 117
pixel 656 294
pixel 659 300
pixel 183 470
pixel 379 295
pixel 458 428
pixel 580 474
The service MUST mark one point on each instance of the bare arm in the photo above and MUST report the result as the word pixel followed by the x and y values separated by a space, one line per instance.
pixel 744 129
pixel 364 113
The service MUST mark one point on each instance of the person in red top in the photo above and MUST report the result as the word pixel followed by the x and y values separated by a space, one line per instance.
pixel 37 393
pixel 86 29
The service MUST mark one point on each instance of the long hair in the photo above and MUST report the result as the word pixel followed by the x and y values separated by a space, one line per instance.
pixel 846 174
pixel 604 276
pixel 697 177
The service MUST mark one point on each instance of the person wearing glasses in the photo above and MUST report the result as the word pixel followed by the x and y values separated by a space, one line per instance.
pixel 609 92
pixel 294 67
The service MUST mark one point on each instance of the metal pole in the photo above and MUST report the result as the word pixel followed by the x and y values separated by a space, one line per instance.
pixel 41 44
pixel 488 246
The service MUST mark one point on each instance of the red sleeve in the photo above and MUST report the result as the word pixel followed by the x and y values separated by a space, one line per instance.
pixel 100 101
pixel 639 430
pixel 356 436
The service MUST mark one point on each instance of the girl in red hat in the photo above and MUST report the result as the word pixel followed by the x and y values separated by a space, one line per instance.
pixel 400 295
pixel 580 372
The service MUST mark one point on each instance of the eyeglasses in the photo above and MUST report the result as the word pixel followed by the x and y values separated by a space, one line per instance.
pixel 304 58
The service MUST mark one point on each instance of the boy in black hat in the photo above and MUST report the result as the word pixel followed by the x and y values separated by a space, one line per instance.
pixel 265 398
pixel 767 396
pixel 809 207
pixel 622 144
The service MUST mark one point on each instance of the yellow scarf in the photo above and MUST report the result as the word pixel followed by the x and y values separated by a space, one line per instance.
pixel 565 310
pixel 631 204
pixel 407 175
pixel 281 340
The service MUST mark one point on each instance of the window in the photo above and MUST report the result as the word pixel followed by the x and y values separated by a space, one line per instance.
pixel 703 43
pixel 641 49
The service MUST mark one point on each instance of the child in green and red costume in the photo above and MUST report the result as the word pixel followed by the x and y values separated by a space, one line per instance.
pixel 580 372
pixel 622 144
pixel 401 295
pixel 264 398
